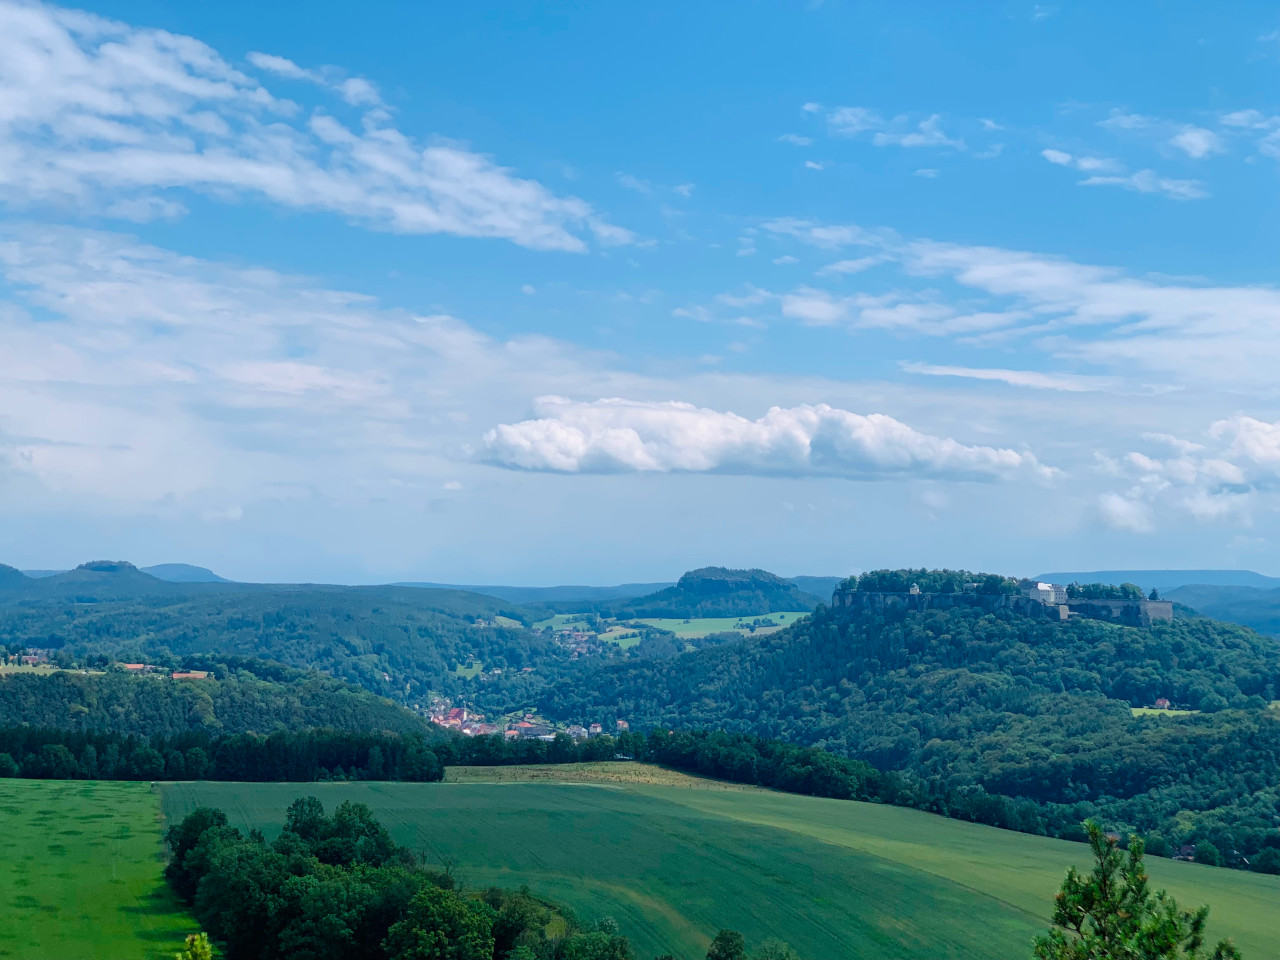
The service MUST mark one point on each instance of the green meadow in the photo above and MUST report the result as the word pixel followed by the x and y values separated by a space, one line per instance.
pixel 703 626
pixel 80 873
pixel 673 859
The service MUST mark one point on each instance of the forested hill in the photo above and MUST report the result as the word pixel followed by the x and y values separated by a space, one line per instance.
pixel 1015 706
pixel 399 642
pixel 232 700
pixel 707 592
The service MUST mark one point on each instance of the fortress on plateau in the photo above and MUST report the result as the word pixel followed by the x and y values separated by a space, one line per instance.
pixel 1041 601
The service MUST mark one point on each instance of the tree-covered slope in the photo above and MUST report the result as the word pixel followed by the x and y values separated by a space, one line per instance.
pixel 231 701
pixel 396 641
pixel 719 592
pixel 1010 705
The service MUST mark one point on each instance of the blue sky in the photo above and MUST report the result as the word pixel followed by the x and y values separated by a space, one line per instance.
pixel 579 293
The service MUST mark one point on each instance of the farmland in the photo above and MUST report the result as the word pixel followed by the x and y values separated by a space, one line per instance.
pixel 674 858
pixel 81 875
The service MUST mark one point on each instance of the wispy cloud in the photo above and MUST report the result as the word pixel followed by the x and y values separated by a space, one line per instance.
pixel 1108 173
pixel 98 113
pixel 1148 181
pixel 900 131
pixel 1066 382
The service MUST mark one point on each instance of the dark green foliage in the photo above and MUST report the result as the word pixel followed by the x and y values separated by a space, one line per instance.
pixel 442 925
pixel 242 696
pixel 289 755
pixel 1113 915
pixel 399 642
pixel 931 581
pixel 1105 591
pixel 1267 861
pixel 997 718
pixel 338 888
pixel 727 945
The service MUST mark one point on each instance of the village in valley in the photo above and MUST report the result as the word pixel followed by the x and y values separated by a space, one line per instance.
pixel 528 726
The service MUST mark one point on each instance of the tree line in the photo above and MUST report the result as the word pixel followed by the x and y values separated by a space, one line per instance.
pixel 285 755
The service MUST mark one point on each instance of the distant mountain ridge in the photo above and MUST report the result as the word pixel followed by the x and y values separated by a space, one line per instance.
pixel 1168 579
pixel 169 572
pixel 514 594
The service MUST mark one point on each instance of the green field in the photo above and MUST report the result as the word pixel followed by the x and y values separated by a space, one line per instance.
pixel 80 875
pixel 673 859
pixel 702 626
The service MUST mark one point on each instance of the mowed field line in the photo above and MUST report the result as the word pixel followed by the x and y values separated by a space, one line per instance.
pixel 80 873
pixel 671 874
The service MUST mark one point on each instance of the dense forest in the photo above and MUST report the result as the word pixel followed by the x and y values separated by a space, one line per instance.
pixel 285 755
pixel 238 696
pixel 1013 707
pixel 400 642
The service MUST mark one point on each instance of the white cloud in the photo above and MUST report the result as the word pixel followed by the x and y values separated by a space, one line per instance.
pixel 356 91
pixel 623 436
pixel 813 165
pixel 632 182
pixel 828 236
pixel 989 125
pixel 528 289
pixel 1067 382
pixel 785 260
pixel 1148 181
pixel 796 139
pixel 851 121
pixel 136 376
pixel 1173 334
pixel 927 172
pixel 927 133
pixel 844 267
pixel 1125 514
pixel 683 189
pixel 1144 181
pixel 1084 164
pixel 1197 142
pixel 96 113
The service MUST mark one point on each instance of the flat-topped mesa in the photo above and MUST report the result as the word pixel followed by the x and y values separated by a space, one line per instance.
pixel 1040 601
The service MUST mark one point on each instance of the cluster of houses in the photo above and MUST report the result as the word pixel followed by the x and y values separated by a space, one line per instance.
pixel 143 668
pixel 32 658
pixel 528 728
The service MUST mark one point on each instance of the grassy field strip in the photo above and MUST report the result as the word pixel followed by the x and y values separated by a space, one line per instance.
pixel 670 873
pixel 80 873
pixel 703 626
pixel 1021 870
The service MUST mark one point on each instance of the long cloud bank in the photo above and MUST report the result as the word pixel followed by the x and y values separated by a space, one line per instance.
pixel 117 120
pixel 617 436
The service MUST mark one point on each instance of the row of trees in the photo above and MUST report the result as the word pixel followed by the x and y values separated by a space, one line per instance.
pixel 290 755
